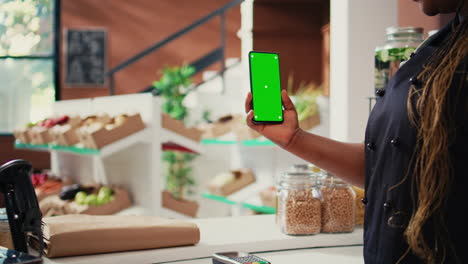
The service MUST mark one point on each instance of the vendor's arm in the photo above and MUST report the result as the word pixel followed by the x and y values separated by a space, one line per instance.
pixel 345 160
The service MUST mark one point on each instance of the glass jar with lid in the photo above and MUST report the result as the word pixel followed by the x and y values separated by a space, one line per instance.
pixel 338 205
pixel 305 168
pixel 400 43
pixel 299 203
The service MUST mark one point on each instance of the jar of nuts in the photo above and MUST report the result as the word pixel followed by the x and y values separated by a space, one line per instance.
pixel 338 206
pixel 299 204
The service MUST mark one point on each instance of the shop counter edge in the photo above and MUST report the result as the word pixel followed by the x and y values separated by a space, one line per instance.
pixel 244 233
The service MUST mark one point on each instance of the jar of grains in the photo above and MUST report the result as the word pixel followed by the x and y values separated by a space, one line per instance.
pixel 299 204
pixel 338 205
pixel 305 168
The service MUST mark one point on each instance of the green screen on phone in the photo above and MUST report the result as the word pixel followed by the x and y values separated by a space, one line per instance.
pixel 266 87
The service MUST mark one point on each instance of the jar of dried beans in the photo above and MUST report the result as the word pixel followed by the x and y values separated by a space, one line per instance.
pixel 299 204
pixel 338 206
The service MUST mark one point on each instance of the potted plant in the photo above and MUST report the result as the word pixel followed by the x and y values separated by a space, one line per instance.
pixel 174 85
pixel 179 183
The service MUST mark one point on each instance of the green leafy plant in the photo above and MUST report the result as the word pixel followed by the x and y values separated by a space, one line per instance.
pixel 179 178
pixel 173 86
pixel 305 98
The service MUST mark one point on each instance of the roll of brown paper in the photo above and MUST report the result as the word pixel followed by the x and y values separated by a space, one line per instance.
pixel 72 235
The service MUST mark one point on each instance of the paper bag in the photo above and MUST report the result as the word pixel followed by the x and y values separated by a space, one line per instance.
pixel 72 235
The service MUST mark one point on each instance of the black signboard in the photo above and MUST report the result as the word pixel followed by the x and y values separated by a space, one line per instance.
pixel 85 57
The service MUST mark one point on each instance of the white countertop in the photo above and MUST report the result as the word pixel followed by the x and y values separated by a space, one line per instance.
pixel 333 255
pixel 246 233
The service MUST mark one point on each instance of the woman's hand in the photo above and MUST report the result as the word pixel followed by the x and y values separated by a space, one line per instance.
pixel 283 133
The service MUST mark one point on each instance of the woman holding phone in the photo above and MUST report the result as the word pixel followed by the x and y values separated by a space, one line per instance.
pixel 414 160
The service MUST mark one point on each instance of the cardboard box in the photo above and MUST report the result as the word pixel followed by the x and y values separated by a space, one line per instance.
pixel 22 135
pixel 242 178
pixel 268 196
pixel 120 202
pixel 219 128
pixel 185 207
pixel 178 127
pixel 310 122
pixel 65 135
pixel 53 205
pixel 98 136
pixel 40 135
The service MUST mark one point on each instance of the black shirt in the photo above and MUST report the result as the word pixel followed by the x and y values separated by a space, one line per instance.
pixel 390 141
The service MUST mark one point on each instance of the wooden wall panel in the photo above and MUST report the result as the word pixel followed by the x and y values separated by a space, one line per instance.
pixel 39 160
pixel 292 28
pixel 135 25
pixel 409 14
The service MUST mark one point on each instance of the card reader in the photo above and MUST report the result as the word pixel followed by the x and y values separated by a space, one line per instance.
pixel 237 258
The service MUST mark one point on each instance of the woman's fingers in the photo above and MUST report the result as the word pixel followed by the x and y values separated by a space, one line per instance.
pixel 287 103
pixel 248 102
pixel 249 119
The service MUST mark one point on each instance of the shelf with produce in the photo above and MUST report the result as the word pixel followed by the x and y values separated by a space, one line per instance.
pixel 35 147
pixel 107 150
pixel 169 137
pixel 247 143
pixel 247 197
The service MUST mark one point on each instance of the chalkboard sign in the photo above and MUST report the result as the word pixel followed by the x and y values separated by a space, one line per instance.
pixel 85 57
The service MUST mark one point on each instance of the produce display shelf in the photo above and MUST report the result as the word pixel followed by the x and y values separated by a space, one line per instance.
pixel 75 150
pixel 248 143
pixel 104 151
pixel 41 147
pixel 172 138
pixel 257 208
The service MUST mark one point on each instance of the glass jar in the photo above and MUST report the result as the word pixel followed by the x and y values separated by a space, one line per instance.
pixel 299 204
pixel 400 43
pixel 305 168
pixel 338 205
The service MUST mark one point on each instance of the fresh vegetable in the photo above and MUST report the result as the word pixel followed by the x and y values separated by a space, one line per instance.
pixel 80 197
pixel 91 200
pixel 38 179
pixel 104 196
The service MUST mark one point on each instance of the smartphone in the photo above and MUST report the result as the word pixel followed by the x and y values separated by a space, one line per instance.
pixel 13 256
pixel 237 258
pixel 265 86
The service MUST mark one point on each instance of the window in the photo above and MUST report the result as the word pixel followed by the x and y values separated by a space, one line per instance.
pixel 27 89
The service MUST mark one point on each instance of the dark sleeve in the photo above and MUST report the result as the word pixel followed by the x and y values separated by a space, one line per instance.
pixel 457 104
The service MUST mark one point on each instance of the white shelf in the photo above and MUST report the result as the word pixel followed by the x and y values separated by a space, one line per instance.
pixel 167 213
pixel 168 136
pixel 119 145
pixel 247 192
pixel 134 210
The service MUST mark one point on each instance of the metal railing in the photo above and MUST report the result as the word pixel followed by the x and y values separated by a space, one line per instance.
pixel 217 54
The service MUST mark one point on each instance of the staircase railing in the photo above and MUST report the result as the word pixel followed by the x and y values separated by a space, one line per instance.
pixel 217 54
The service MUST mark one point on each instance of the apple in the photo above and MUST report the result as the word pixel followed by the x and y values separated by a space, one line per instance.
pixel 80 197
pixel 91 199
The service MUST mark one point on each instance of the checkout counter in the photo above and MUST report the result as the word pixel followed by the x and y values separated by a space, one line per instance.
pixel 255 234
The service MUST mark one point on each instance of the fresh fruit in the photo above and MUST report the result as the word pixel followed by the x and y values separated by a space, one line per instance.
pixel 61 120
pixel 104 195
pixel 48 123
pixel 103 200
pixel 105 191
pixel 80 197
pixel 91 199
pixel 38 179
